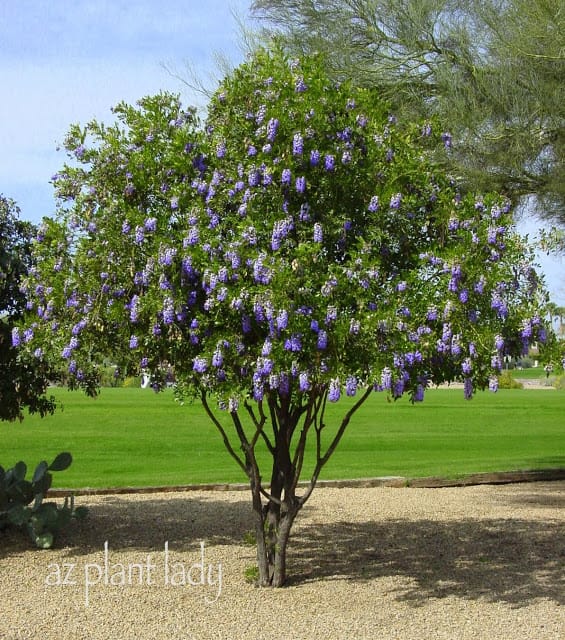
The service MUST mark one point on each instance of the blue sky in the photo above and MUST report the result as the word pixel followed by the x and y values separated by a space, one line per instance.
pixel 67 61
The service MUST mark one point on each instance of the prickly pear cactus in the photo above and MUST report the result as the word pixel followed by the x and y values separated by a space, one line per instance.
pixel 22 501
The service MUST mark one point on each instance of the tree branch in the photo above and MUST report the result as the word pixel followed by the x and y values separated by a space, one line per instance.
pixel 321 461
pixel 223 433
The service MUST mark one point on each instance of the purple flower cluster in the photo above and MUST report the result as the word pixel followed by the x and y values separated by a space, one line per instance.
pixel 281 230
pixel 334 391
pixel 297 145
pixel 318 233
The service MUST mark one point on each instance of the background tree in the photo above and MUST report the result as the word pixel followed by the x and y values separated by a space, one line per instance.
pixel 300 247
pixel 23 381
pixel 492 70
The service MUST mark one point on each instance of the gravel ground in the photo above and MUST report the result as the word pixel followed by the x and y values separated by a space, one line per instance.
pixel 483 562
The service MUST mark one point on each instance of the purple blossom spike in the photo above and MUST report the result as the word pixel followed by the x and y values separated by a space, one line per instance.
pixel 395 201
pixel 322 342
pixel 351 386
pixel 301 184
pixel 286 177
pixel 274 381
pixel 16 339
pixel 314 157
pixel 267 347
pixel 398 388
pixel 527 330
pixel 272 128
pixel 334 392
pixel 133 342
pixel 284 384
pixel 168 311
pixel 200 364
pixel 331 315
pixel 258 391
pixel 480 285
pixel 294 343
pixel 221 150
pixel 193 237
pixel 150 224
pixel 318 233
pixel 329 163
pixel 217 358
pixel 468 388
pixel 447 140
pixel 354 326
pixel 427 130
pixel 496 363
pixel 467 367
pixel 419 393
pixel 282 319
pixel 297 144
pixel 303 382
pixel 300 86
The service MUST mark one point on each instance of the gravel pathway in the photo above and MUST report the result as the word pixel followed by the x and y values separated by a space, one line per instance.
pixel 474 563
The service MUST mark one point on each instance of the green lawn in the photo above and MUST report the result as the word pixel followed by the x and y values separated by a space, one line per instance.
pixel 133 437
pixel 533 373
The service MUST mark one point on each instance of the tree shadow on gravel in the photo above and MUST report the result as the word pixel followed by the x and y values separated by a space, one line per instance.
pixel 145 525
pixel 499 560
pixel 550 495
pixel 515 561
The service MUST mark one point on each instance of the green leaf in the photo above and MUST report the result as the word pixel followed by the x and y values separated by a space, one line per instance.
pixel 48 514
pixel 20 470
pixel 18 515
pixel 61 462
pixel 20 492
pixel 40 471
pixel 44 540
pixel 43 485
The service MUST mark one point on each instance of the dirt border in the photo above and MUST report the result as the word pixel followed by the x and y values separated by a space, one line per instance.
pixel 506 477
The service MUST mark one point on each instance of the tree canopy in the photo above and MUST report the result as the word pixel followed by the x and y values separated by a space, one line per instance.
pixel 298 247
pixel 22 381
pixel 492 70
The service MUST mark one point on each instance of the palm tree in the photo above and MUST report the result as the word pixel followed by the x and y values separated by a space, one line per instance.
pixel 552 312
pixel 560 313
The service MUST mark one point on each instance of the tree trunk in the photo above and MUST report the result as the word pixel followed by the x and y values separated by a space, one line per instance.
pixel 273 523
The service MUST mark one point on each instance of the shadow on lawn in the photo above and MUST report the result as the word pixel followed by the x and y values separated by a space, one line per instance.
pixel 514 561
